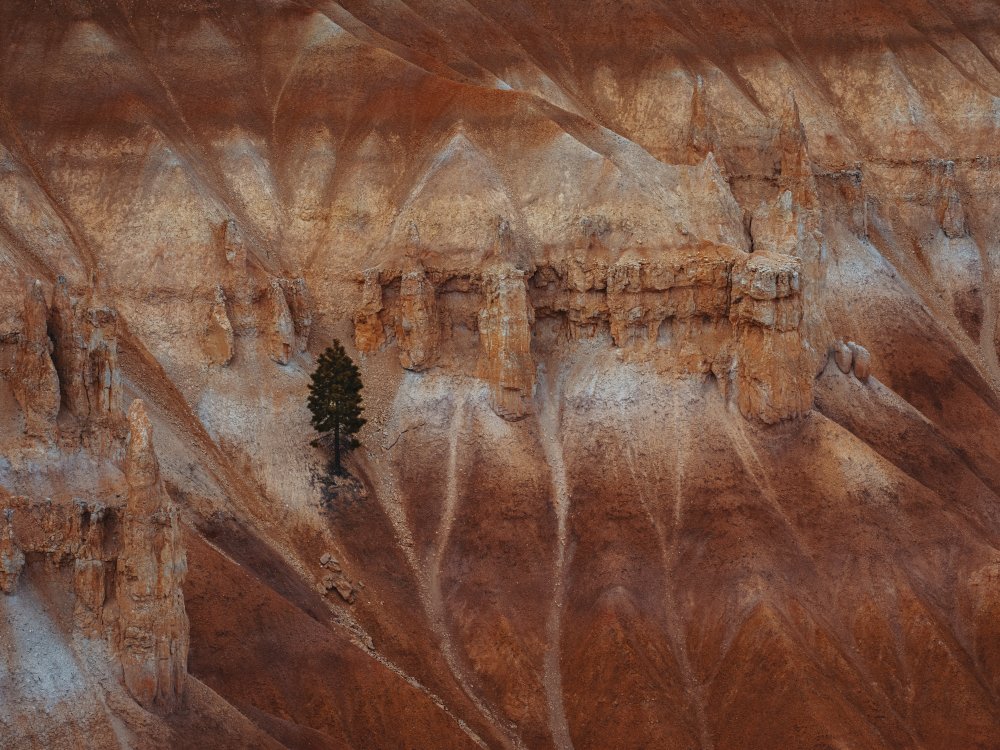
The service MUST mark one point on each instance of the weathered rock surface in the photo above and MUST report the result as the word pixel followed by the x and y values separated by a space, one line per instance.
pixel 11 556
pixel 773 372
pixel 153 631
pixel 613 490
pixel 85 336
pixel 417 329
pixel 505 331
pixel 34 379
pixel 219 332
pixel 861 360
pixel 280 334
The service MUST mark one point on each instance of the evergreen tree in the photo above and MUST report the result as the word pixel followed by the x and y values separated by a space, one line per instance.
pixel 335 402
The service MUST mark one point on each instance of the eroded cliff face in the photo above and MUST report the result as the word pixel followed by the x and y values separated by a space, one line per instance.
pixel 678 325
pixel 708 310
pixel 153 632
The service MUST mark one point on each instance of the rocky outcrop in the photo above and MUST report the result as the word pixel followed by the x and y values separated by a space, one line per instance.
pixel 334 579
pixel 218 341
pixel 153 629
pixel 85 332
pixel 300 305
pixel 82 533
pixel 11 556
pixel 103 376
pixel 634 296
pixel 843 356
pixel 35 381
pixel 505 334
pixel 369 331
pixel 850 357
pixel 862 361
pixel 774 375
pixel 948 207
pixel 279 328
pixel 93 563
pixel 250 301
pixel 69 353
pixel 127 565
pixel 705 308
pixel 417 327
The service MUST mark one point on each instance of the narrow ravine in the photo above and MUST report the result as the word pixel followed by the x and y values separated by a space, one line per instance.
pixel 549 423
pixel 435 596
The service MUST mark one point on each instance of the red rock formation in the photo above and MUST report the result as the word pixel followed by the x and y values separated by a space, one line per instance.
pixel 369 331
pixel 417 328
pixel 85 335
pixel 153 626
pixel 618 494
pixel 505 324
pixel 279 328
pixel 219 331
pixel 35 382
pixel 773 371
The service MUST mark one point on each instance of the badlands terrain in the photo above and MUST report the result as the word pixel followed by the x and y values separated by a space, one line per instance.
pixel 678 321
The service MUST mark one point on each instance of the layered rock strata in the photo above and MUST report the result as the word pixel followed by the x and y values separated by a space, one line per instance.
pixel 709 309
pixel 774 374
pixel 128 566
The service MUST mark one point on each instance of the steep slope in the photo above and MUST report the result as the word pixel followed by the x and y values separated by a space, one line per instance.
pixel 679 329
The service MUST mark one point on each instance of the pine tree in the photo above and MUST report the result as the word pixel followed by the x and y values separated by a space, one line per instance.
pixel 335 402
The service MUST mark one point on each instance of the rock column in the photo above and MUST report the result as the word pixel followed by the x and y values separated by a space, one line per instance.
pixel 505 334
pixel 35 382
pixel 417 330
pixel 774 374
pixel 153 628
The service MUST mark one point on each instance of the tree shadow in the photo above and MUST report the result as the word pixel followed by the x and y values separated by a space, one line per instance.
pixel 338 492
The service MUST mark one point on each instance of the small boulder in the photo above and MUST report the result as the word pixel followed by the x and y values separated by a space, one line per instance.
pixel 843 356
pixel 862 361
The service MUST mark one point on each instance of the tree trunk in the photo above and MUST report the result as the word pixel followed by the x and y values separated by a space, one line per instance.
pixel 336 449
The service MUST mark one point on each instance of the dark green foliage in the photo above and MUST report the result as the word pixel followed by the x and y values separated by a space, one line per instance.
pixel 335 402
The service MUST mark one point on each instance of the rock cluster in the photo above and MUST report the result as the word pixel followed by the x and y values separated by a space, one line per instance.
pixel 128 568
pixel 250 301
pixel 66 362
pixel 335 579
pixel 712 308
pixel 851 356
